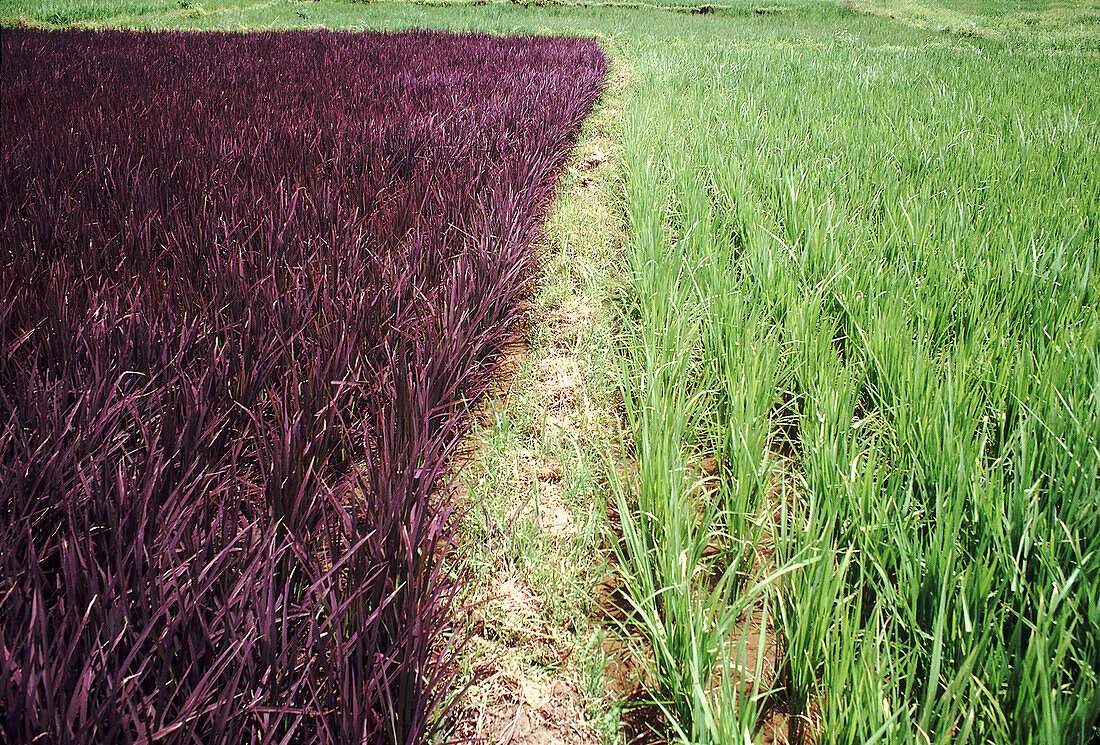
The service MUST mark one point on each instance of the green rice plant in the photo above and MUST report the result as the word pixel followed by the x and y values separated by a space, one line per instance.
pixel 896 247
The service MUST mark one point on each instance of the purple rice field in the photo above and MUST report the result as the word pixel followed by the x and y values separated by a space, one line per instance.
pixel 251 283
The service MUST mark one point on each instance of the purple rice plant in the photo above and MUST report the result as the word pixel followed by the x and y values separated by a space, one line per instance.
pixel 249 282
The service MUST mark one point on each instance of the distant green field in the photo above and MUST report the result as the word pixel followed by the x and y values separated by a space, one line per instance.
pixel 65 12
pixel 1070 24
pixel 861 272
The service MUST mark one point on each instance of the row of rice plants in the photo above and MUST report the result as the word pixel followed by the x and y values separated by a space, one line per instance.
pixel 865 279
pixel 248 282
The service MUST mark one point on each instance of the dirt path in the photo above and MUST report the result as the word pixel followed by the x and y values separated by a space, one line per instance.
pixel 532 473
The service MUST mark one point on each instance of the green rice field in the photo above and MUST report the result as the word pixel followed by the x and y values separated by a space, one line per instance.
pixel 865 278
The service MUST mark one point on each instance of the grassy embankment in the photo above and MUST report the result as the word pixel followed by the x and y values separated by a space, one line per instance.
pixel 860 367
